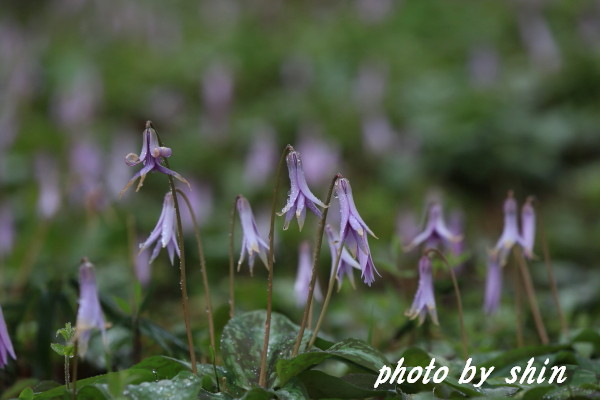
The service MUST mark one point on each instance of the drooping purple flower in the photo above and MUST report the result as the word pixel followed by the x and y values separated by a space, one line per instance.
pixel 346 261
pixel 89 315
pixel 6 347
pixel 493 285
pixel 435 229
pixel 252 243
pixel 166 230
pixel 424 301
pixel 151 157
pixel 301 286
pixel 528 226
pixel 300 197
pixel 510 234
pixel 353 230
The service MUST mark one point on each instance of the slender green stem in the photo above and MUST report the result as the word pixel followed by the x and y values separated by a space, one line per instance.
pixel 564 327
pixel 67 377
pixel 262 380
pixel 530 291
pixel 75 362
pixel 182 273
pixel 313 277
pixel 463 331
pixel 209 310
pixel 332 279
pixel 231 261
pixel 518 306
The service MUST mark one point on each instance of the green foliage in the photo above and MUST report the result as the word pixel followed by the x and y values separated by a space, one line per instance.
pixel 68 335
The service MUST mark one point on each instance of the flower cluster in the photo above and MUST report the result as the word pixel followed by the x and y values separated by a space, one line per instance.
pixel 353 231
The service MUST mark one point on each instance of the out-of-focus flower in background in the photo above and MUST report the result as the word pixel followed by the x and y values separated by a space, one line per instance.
pixel 424 301
pixel 302 283
pixel 252 243
pixel 89 315
pixel 510 233
pixel 493 284
pixel 262 156
pixel 528 226
pixel 435 229
pixel 49 197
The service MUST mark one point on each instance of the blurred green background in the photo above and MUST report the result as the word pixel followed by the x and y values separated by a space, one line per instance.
pixel 404 98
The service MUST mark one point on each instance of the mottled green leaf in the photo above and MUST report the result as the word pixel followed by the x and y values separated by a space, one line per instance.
pixel 242 342
pixel 184 386
pixel 352 350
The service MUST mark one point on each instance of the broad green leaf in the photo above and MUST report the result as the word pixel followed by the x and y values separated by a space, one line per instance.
pixel 523 353
pixel 537 393
pixel 322 386
pixel 26 394
pixel 242 342
pixel 352 350
pixel 184 386
pixel 293 390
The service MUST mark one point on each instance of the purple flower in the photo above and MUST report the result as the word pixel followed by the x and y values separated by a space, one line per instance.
pixel 300 197
pixel 424 301
pixel 141 265
pixel 303 277
pixel 493 285
pixel 353 230
pixel 528 226
pixel 435 229
pixel 252 243
pixel 346 261
pixel 166 229
pixel 151 157
pixel 89 315
pixel 6 347
pixel 510 234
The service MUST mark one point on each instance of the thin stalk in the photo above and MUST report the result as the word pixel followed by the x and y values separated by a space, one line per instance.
pixel 332 279
pixel 564 327
pixel 262 379
pixel 530 291
pixel 463 331
pixel 518 306
pixel 74 383
pixel 67 377
pixel 135 318
pixel 182 273
pixel 231 261
pixel 33 251
pixel 313 277
pixel 209 311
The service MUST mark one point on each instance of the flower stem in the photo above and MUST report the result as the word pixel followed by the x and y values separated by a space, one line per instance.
pixel 530 291
pixel 74 383
pixel 211 325
pixel 231 261
pixel 564 327
pixel 518 306
pixel 332 279
pixel 463 331
pixel 313 277
pixel 262 379
pixel 182 273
